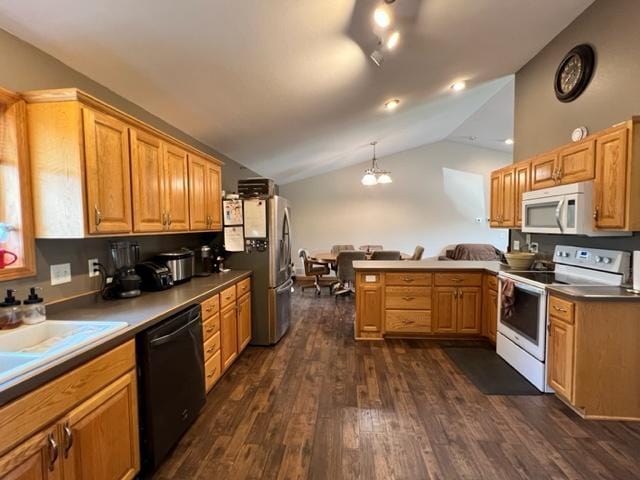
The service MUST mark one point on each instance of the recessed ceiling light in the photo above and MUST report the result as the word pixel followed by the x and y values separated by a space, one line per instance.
pixel 457 86
pixel 392 104
pixel 509 141
pixel 381 17
pixel 393 40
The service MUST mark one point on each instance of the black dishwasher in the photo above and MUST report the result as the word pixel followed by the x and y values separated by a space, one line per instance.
pixel 170 383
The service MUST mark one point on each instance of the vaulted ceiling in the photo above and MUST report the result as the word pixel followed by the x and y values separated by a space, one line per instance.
pixel 286 87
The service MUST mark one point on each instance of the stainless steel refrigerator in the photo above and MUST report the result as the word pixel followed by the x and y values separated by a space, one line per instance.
pixel 272 275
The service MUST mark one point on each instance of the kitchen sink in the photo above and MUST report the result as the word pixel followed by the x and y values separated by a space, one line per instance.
pixel 31 346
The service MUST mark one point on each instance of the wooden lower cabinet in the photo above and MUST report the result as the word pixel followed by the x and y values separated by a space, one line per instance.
pixel 445 309
pixel 560 357
pixel 100 436
pixel 244 321
pixel 228 336
pixel 85 424
pixel 469 318
pixel 34 459
pixel 490 307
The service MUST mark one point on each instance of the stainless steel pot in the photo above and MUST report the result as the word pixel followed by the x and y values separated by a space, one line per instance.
pixel 181 263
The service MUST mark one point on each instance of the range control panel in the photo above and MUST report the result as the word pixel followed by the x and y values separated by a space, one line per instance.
pixel 612 261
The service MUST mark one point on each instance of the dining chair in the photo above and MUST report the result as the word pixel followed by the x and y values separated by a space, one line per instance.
pixel 386 255
pixel 417 253
pixel 339 248
pixel 316 270
pixel 346 273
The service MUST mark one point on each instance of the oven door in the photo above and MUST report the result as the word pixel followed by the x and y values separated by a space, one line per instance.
pixel 525 324
pixel 553 214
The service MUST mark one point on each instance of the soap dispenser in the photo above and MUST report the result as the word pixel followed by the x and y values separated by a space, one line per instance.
pixel 10 314
pixel 34 310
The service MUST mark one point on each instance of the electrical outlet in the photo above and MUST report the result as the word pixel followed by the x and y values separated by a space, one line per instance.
pixel 60 274
pixel 516 245
pixel 93 265
pixel 533 247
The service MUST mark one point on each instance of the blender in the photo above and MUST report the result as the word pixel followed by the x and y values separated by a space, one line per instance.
pixel 126 282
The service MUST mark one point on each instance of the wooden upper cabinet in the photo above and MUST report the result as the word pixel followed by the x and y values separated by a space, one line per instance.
pixel 507 194
pixel 176 188
pixel 522 172
pixel 576 162
pixel 198 193
pixel 90 450
pixel 16 208
pixel 543 171
pixel 205 194
pixel 610 186
pixel 214 196
pixel 148 182
pixel 495 205
pixel 98 171
pixel 108 178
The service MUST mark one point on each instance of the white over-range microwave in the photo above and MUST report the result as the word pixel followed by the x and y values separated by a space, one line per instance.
pixel 565 209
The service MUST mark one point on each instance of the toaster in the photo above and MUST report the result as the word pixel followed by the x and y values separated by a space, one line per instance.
pixel 154 276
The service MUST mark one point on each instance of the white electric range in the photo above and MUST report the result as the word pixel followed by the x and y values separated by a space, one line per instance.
pixel 522 330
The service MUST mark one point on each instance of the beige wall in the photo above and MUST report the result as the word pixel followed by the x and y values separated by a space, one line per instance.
pixel 612 27
pixel 24 67
pixel 437 193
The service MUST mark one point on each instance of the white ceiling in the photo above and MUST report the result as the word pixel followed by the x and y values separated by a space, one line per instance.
pixel 285 86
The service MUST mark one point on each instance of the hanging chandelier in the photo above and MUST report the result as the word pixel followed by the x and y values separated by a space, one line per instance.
pixel 375 175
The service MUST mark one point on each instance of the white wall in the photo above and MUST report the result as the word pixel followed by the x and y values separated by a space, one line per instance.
pixel 437 193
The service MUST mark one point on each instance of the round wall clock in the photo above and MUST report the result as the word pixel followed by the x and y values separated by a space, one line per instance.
pixel 574 73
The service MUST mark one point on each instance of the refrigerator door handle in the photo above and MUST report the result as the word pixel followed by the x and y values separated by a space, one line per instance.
pixel 285 286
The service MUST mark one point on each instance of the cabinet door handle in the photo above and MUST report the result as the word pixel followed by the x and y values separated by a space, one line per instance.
pixel 461 293
pixel 456 279
pixel 455 294
pixel 407 279
pixel 211 374
pixel 211 349
pixel 595 213
pixel 408 299
pixel 164 218
pixel 169 220
pixel 559 309
pixel 98 215
pixel 406 322
pixel 68 439
pixel 53 451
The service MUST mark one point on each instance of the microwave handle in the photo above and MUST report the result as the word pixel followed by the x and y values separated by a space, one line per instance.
pixel 558 211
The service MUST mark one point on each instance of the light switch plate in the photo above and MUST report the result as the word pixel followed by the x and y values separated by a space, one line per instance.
pixel 60 273
pixel 93 264
pixel 516 245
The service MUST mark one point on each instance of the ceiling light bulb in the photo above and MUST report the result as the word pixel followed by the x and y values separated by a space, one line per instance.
pixel 381 17
pixel 393 40
pixel 392 104
pixel 457 86
pixel 509 141
pixel 384 178
pixel 369 179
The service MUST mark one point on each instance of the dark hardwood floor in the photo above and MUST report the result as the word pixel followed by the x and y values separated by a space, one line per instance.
pixel 321 406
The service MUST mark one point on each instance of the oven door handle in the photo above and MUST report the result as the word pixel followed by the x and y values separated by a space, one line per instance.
pixel 524 286
pixel 558 212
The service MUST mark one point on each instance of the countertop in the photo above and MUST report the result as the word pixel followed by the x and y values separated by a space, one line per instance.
pixel 139 313
pixel 417 265
pixel 594 292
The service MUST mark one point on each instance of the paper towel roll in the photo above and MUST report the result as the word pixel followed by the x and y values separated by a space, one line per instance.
pixel 636 270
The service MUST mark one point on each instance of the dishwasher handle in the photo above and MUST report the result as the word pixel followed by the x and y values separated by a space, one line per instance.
pixel 168 337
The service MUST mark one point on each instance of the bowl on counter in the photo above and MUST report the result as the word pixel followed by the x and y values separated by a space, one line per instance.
pixel 520 260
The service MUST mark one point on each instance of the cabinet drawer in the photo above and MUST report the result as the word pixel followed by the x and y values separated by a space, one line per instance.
pixel 211 326
pixel 492 282
pixel 211 346
pixel 242 287
pixel 408 298
pixel 408 279
pixel 407 321
pixel 210 307
pixel 227 297
pixel 453 279
pixel 561 309
pixel 212 370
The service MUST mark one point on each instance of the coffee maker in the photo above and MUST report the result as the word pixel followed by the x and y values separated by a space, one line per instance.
pixel 126 282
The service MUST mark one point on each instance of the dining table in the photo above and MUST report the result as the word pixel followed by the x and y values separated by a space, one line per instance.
pixel 331 258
